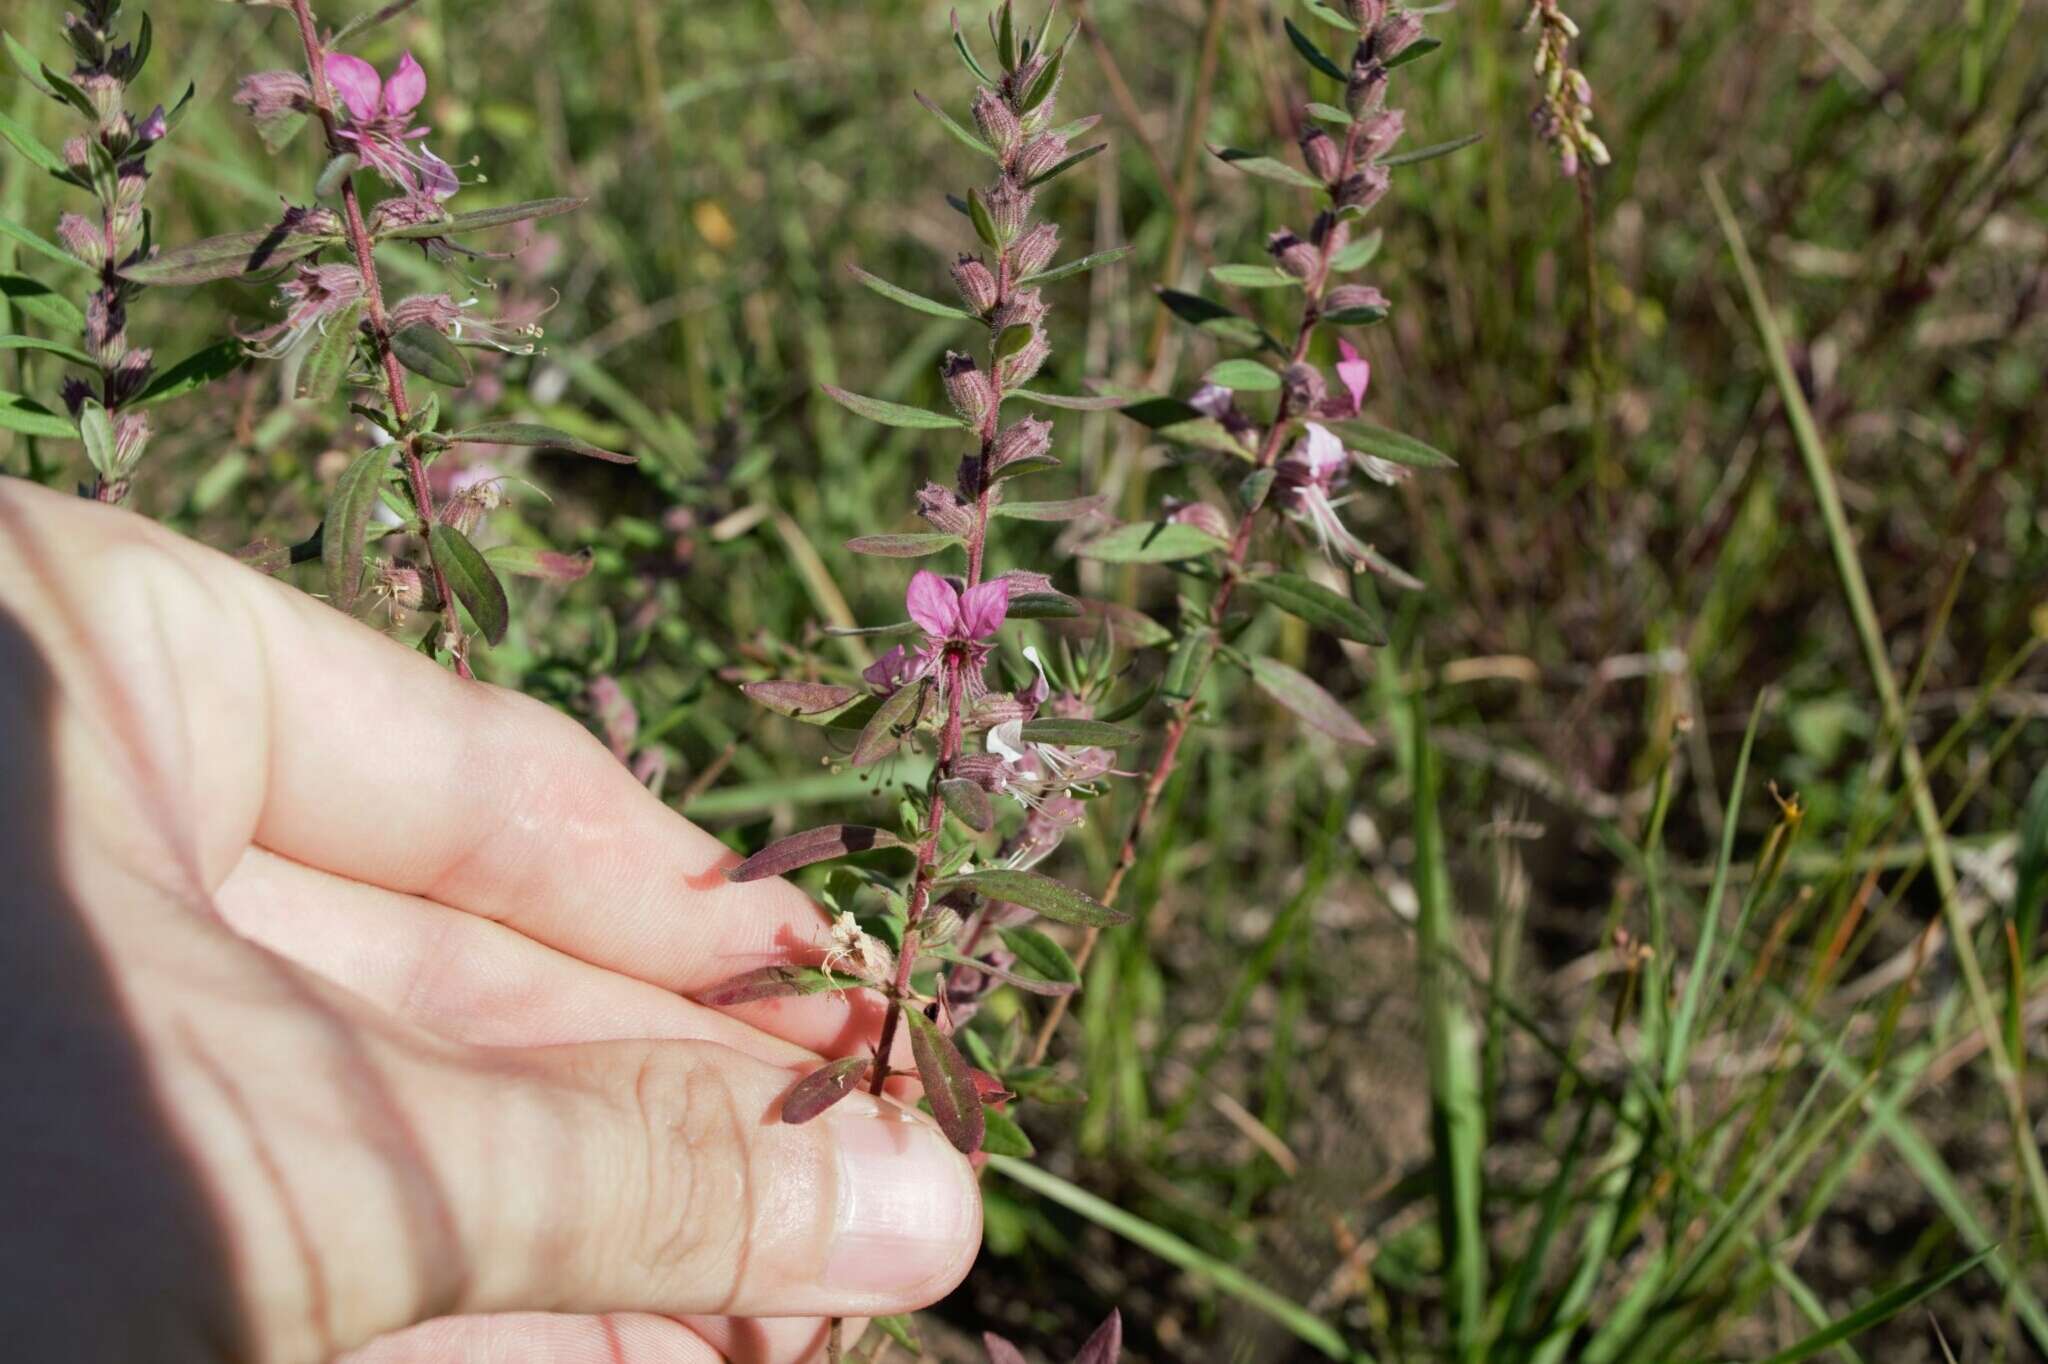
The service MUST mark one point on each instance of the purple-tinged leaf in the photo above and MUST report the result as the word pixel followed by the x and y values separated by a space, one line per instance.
pixel 526 561
pixel 470 575
pixel 1001 1351
pixel 348 523
pixel 822 844
pixel 948 1087
pixel 236 253
pixel 1030 984
pixel 968 802
pixel 893 719
pixel 1106 1345
pixel 801 700
pixel 430 355
pixel 823 1087
pixel 1040 894
pixel 1300 694
pixel 909 545
pixel 477 219
pixel 775 982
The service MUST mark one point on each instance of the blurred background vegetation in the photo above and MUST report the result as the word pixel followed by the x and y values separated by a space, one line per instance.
pixel 1317 1147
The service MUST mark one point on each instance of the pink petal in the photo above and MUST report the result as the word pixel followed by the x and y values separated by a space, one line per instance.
pixel 982 608
pixel 1355 370
pixel 436 177
pixel 406 88
pixel 1323 451
pixel 357 82
pixel 933 604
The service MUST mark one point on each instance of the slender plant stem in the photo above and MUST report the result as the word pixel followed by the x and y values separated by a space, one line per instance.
pixel 373 305
pixel 1183 716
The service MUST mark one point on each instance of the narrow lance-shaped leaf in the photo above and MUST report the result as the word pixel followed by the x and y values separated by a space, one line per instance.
pixel 532 561
pixel 1037 951
pixel 348 521
pixel 1188 665
pixel 1151 542
pixel 968 802
pixel 915 302
pixel 1078 733
pixel 1430 153
pixel 909 545
pixel 823 1087
pixel 236 253
pixel 892 720
pixel 538 437
pixel 477 219
pixel 775 982
pixel 41 302
pixel 1391 445
pixel 1247 376
pixel 892 414
pixel 31 418
pixel 1318 605
pixel 1075 267
pixel 1106 1346
pixel 427 353
pixel 1065 164
pixel 196 370
pixel 1303 696
pixel 1253 277
pixel 1030 984
pixel 1002 1137
pixel 801 699
pixel 822 844
pixel 954 126
pixel 472 580
pixel 948 1086
pixel 1040 894
pixel 327 363
pixel 1266 168
pixel 1312 54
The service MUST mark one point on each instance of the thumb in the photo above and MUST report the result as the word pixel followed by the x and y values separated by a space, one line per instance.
pixel 659 1177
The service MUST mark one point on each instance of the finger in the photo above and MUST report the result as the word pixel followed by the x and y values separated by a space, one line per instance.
pixel 265 715
pixel 541 1338
pixel 473 980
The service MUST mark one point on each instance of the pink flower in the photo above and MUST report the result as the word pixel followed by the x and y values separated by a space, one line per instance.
pixel 1356 372
pixel 379 123
pixel 1307 477
pixel 957 628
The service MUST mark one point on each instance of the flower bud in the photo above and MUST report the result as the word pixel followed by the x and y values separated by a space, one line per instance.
pixel 1009 204
pixel 1296 256
pixel 1378 134
pixel 105 324
pixel 1035 250
pixel 1353 298
pixel 76 393
pixel 105 92
pixel 1365 13
pixel 130 375
pixel 131 437
pixel 77 153
pixel 983 769
pixel 1395 34
pixel 1363 190
pixel 1596 150
pixel 1040 155
pixel 1202 516
pixel 1026 439
pixel 939 927
pixel 1302 385
pixel 1319 153
pixel 83 239
pixel 1018 368
pixel 997 121
pixel 972 396
pixel 437 311
pixel 1025 308
pixel 1367 89
pixel 976 285
pixel 944 510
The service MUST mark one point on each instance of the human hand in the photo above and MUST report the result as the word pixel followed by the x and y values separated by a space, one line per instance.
pixel 326 984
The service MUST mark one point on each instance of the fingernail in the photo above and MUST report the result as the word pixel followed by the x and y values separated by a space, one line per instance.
pixel 909 1210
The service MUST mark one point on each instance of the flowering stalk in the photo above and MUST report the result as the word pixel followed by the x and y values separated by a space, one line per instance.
pixel 111 161
pixel 1351 171
pixel 1565 110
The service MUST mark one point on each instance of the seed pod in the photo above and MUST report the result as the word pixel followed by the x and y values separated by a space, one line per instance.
pixel 968 387
pixel 83 239
pixel 1024 308
pixel 1351 298
pixel 976 284
pixel 1009 204
pixel 998 123
pixel 1395 34
pixel 1296 256
pixel 944 510
pixel 1303 384
pixel 1035 250
pixel 1024 439
pixel 1039 155
pixel 1367 90
pixel 1378 134
pixel 1319 153
pixel 1363 190
pixel 1019 367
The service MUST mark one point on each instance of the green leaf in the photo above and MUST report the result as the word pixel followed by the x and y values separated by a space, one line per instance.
pixel 96 429
pixel 1212 317
pixel 910 545
pixel 1188 665
pixel 1037 952
pixel 1328 611
pixel 1331 17
pixel 10 228
pixel 1330 113
pixel 1066 402
pixel 432 356
pixel 1352 317
pixel 1313 55
pixel 1151 542
pixel 1067 509
pixel 894 718
pixel 533 561
pixel 948 1086
pixel 1065 164
pixel 38 300
pixel 1041 894
pixel 1042 84
pixel 1421 47
pixel 31 418
pixel 336 170
pixel 348 522
pixel 1880 1309
pixel 471 579
pixel 1012 339
pixel 954 126
pixel 893 414
pixel 1303 696
pixel 1071 733
pixel 1003 1137
pixel 968 802
pixel 536 436
pixel 196 370
pixel 1431 152
pixel 23 141
pixel 984 225
pixel 1391 445
pixel 71 353
pixel 1075 267
pixel 1359 252
pixel 967 54
pixel 915 302
pixel 1253 277
pixel 1245 375
pixel 478 219
pixel 223 257
pixel 1266 167
pixel 326 366
pixel 1043 606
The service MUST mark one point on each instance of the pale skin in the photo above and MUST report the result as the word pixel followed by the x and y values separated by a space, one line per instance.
pixel 344 1010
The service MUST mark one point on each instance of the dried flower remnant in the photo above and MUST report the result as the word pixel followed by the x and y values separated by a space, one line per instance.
pixel 1564 112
